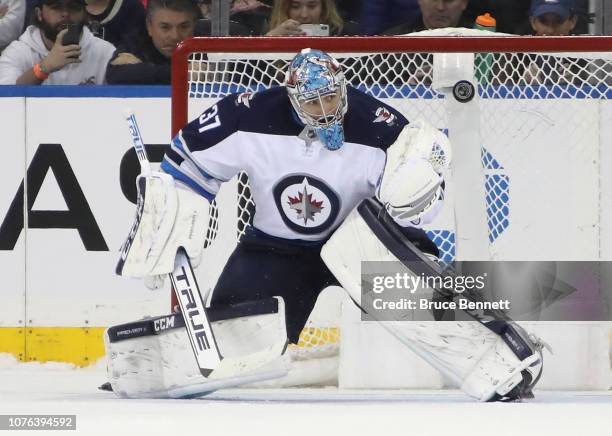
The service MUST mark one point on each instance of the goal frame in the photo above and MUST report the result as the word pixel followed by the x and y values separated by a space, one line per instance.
pixel 383 44
pixel 558 46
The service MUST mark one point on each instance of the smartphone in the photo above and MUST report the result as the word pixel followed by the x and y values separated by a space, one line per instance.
pixel 315 29
pixel 73 36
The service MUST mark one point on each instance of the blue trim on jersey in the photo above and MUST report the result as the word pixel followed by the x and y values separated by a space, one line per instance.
pixel 151 91
pixel 362 124
pixel 203 173
pixel 270 112
pixel 168 168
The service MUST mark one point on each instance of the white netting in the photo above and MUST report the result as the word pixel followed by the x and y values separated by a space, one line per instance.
pixel 536 111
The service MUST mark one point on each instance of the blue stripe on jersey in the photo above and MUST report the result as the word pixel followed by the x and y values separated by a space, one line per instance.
pixel 178 175
pixel 174 157
pixel 176 142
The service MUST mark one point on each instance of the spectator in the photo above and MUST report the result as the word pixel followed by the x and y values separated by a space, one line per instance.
pixel 111 20
pixel 552 17
pixel 147 59
pixel 288 15
pixel 435 14
pixel 12 15
pixel 252 14
pixel 548 18
pixel 379 15
pixel 39 56
pixel 247 18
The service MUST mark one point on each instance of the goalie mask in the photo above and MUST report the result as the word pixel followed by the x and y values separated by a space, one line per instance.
pixel 317 91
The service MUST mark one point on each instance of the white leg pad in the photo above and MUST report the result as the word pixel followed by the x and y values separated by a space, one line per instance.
pixel 467 353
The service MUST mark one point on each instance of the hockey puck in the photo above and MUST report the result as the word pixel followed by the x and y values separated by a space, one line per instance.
pixel 463 91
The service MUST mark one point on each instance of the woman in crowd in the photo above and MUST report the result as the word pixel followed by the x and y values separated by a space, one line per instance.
pixel 288 15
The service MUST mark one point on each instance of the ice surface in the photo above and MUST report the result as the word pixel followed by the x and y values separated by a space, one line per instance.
pixel 34 388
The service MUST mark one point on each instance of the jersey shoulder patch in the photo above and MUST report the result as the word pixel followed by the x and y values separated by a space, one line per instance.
pixel 370 121
pixel 244 99
pixel 384 115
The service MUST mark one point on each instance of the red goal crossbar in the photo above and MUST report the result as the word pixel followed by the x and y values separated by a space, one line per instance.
pixel 382 44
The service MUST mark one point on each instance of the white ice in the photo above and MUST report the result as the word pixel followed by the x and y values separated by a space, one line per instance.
pixel 34 388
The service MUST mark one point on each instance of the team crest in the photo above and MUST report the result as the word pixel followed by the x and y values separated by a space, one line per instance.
pixel 306 204
pixel 383 115
pixel 245 99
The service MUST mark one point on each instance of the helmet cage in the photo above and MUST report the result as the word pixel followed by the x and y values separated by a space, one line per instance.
pixel 313 75
pixel 326 119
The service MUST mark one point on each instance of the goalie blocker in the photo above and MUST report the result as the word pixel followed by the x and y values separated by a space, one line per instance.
pixel 489 360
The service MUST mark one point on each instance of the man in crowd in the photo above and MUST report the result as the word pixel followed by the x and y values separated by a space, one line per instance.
pixel 435 14
pixel 42 56
pixel 553 17
pixel 146 59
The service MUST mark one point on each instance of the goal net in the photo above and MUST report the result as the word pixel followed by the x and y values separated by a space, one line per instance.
pixel 530 121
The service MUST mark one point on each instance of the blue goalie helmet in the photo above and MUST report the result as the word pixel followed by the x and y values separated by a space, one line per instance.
pixel 317 91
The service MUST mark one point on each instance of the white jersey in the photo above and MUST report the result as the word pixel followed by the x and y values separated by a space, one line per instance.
pixel 302 190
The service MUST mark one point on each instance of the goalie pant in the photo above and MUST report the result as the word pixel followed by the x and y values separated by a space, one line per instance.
pixel 263 266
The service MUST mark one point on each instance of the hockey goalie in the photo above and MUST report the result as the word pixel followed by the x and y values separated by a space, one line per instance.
pixel 338 177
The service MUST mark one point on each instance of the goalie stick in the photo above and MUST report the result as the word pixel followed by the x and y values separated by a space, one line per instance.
pixel 190 299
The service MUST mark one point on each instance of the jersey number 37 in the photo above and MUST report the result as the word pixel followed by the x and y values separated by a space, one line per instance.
pixel 209 119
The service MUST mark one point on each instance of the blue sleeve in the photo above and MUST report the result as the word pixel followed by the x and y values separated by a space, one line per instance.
pixel 370 121
pixel 202 154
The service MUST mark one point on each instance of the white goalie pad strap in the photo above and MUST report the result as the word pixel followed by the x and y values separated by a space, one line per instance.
pixel 466 352
pixel 160 362
pixel 168 217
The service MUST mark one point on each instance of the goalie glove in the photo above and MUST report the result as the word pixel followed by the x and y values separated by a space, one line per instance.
pixel 167 217
pixel 412 183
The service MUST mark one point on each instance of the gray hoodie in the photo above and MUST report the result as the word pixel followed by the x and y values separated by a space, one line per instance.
pixel 29 49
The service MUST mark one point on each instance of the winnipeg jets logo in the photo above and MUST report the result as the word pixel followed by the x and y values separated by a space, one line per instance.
pixel 245 99
pixel 306 204
pixel 384 115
